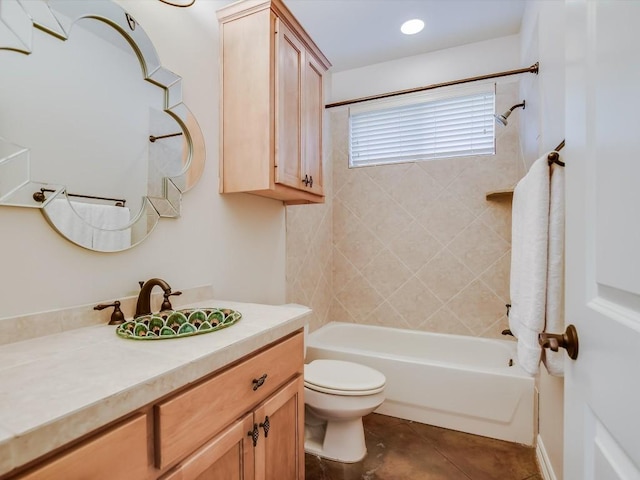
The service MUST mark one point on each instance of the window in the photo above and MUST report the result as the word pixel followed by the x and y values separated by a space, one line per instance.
pixel 423 126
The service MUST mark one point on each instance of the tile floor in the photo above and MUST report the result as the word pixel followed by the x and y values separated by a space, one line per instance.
pixel 404 450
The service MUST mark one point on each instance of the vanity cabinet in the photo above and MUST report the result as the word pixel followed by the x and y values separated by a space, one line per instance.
pixel 245 421
pixel 233 455
pixel 271 104
pixel 265 392
pixel 228 456
pixel 119 453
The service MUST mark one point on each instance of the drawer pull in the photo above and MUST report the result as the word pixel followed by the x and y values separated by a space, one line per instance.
pixel 254 434
pixel 258 382
pixel 265 426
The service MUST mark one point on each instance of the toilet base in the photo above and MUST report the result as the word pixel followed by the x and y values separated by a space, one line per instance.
pixel 337 440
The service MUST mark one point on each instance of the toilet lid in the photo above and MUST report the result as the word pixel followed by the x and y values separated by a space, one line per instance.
pixel 340 377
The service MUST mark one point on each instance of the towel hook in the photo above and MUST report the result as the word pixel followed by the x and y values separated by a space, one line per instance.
pixel 567 340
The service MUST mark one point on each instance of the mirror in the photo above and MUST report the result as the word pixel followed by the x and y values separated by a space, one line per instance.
pixel 93 130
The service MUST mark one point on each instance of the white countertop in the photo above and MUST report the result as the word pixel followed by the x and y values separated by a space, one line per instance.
pixel 56 388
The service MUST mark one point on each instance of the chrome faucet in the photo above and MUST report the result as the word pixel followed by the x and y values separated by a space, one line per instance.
pixel 143 307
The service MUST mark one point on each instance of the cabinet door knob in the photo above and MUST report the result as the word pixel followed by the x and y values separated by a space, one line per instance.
pixel 254 434
pixel 311 180
pixel 265 426
pixel 258 382
pixel 305 180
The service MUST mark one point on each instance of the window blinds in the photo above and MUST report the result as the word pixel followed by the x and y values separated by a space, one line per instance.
pixel 423 127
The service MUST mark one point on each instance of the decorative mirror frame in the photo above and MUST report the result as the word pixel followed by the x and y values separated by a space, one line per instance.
pixel 17 21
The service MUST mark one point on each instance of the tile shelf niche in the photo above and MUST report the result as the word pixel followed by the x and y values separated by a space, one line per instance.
pixel 504 194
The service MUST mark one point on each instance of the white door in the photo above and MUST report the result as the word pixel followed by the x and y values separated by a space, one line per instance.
pixel 602 387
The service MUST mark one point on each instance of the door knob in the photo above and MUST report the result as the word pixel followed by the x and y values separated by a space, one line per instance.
pixel 567 340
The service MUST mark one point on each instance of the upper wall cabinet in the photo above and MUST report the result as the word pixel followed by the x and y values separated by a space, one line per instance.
pixel 271 104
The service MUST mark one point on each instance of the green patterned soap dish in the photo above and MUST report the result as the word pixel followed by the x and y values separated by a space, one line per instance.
pixel 178 323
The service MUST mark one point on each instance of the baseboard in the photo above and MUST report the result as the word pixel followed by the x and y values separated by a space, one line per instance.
pixel 543 460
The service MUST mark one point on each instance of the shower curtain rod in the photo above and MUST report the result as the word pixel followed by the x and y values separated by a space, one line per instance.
pixel 532 69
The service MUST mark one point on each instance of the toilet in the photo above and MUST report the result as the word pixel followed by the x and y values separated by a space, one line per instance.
pixel 337 394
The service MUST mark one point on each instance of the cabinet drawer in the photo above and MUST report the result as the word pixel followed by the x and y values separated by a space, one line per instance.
pixel 189 419
pixel 118 454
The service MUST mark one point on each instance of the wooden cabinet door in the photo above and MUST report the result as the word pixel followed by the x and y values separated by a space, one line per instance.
pixel 228 456
pixel 289 97
pixel 312 115
pixel 188 419
pixel 118 454
pixel 279 453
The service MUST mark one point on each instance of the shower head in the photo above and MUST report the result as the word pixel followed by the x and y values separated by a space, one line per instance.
pixel 502 119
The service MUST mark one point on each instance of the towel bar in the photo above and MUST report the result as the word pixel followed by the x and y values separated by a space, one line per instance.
pixel 554 157
pixel 40 197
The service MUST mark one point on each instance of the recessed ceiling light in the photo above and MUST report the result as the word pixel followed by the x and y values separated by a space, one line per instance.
pixel 412 26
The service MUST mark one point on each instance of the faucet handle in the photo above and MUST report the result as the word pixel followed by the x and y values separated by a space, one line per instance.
pixel 166 304
pixel 117 317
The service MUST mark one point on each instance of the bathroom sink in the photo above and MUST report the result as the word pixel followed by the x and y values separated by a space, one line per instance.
pixel 178 323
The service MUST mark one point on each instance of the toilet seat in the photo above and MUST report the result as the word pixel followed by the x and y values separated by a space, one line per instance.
pixel 338 377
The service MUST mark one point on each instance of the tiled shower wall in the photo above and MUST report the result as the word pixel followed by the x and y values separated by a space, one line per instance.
pixel 413 245
pixel 309 252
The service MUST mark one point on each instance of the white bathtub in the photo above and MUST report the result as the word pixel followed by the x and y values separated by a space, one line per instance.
pixel 462 383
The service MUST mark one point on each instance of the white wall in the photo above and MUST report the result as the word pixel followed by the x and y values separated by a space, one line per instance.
pixel 236 242
pixel 435 67
pixel 542 130
pixel 543 40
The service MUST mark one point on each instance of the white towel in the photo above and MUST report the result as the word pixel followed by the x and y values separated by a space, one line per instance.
pixel 554 361
pixel 70 219
pixel 110 234
pixel 530 226
pixel 94 226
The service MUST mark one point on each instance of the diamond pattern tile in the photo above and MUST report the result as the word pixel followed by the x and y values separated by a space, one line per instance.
pixel 414 302
pixel 385 315
pixel 496 277
pixel 478 247
pixel 415 190
pixel 360 247
pixel 446 217
pixel 445 275
pixel 477 307
pixel 445 321
pixel 359 297
pixel 388 221
pixel 386 273
pixel 413 245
